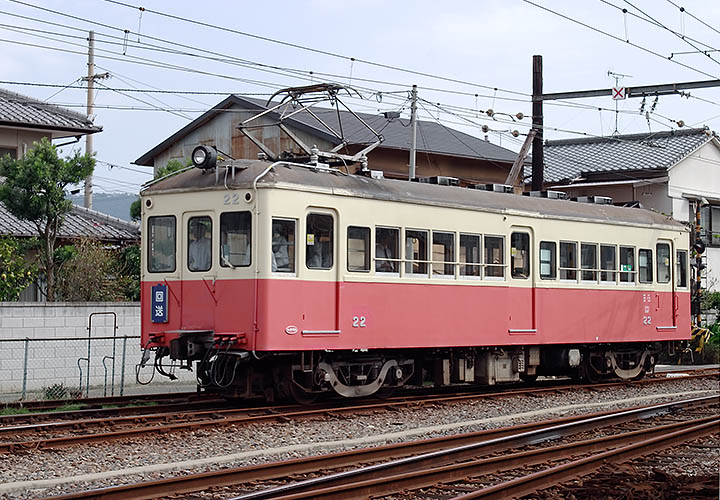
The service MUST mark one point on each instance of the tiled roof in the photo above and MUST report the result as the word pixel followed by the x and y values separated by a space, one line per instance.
pixel 79 223
pixel 569 159
pixel 22 111
pixel 432 137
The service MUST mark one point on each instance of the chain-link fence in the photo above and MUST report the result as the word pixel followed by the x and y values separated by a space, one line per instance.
pixel 70 367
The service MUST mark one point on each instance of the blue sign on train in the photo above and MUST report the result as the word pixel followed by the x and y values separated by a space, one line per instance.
pixel 158 311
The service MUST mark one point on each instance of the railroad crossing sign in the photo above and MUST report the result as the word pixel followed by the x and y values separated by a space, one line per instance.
pixel 619 93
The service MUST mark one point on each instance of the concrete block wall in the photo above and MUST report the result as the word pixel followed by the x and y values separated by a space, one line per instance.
pixel 57 338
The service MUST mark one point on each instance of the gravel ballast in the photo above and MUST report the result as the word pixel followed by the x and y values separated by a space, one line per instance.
pixel 32 474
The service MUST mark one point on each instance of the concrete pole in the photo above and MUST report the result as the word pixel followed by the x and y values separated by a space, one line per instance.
pixel 413 123
pixel 537 120
pixel 89 137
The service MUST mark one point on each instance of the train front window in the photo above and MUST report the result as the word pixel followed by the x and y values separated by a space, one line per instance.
pixel 520 255
pixel 663 263
pixel 568 261
pixel 627 265
pixel 283 246
pixel 235 239
pixel 608 263
pixel 387 243
pixel 681 268
pixel 319 241
pixel 443 254
pixel 416 252
pixel 588 261
pixel 645 265
pixel 470 255
pixel 161 244
pixel 547 260
pixel 358 248
pixel 494 257
pixel 199 257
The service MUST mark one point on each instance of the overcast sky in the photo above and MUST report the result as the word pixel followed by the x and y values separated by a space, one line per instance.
pixel 470 48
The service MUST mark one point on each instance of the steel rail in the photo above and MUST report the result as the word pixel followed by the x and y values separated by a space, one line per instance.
pixel 458 471
pixel 225 477
pixel 437 458
pixel 130 399
pixel 584 466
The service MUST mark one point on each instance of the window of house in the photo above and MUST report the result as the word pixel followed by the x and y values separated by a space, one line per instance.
pixel 627 264
pixel 710 225
pixel 283 246
pixel 494 256
pixel 520 255
pixel 548 266
pixel 443 254
pixel 358 249
pixel 588 261
pixel 470 263
pixel 608 263
pixel 568 260
pixel 681 268
pixel 319 241
pixel 235 239
pixel 645 265
pixel 9 151
pixel 199 256
pixel 161 244
pixel 387 244
pixel 416 251
pixel 663 262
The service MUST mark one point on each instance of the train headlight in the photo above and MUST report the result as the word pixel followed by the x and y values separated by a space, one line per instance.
pixel 204 157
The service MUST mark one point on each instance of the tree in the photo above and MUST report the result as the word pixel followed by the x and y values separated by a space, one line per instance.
pixel 34 190
pixel 16 274
pixel 172 167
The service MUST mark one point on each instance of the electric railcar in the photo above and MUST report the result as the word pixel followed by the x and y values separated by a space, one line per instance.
pixel 280 279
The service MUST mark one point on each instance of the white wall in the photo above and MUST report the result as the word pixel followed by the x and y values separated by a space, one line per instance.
pixel 53 362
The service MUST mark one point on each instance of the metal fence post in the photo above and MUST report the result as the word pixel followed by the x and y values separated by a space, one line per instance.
pixel 25 367
pixel 122 373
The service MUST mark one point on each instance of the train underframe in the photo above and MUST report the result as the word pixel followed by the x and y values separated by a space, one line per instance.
pixel 303 376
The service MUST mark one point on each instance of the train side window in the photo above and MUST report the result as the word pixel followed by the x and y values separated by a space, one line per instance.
pixel 568 260
pixel 199 243
pixel 681 268
pixel 358 249
pixel 283 246
pixel 548 268
pixel 235 243
pixel 319 241
pixel 663 263
pixel 470 255
pixel 588 261
pixel 494 256
pixel 416 252
pixel 608 263
pixel 627 265
pixel 387 244
pixel 520 255
pixel 645 265
pixel 161 244
pixel 443 254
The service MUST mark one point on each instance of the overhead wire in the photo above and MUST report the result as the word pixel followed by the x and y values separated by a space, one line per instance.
pixel 684 10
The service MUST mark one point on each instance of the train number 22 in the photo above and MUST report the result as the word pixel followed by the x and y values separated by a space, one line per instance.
pixel 358 322
pixel 231 199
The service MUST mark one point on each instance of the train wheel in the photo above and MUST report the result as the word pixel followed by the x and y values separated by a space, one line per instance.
pixel 385 392
pixel 301 396
pixel 528 378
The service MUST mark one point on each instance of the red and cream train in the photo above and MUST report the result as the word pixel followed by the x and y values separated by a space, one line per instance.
pixel 282 279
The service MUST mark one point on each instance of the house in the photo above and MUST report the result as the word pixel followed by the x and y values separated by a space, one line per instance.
pixel 675 172
pixel 24 120
pixel 441 151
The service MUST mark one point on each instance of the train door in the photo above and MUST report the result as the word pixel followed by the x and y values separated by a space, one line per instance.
pixel 321 288
pixel 521 303
pixel 198 251
pixel 664 299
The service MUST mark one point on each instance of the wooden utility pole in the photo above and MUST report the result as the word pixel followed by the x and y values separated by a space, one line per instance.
pixel 413 124
pixel 538 161
pixel 89 138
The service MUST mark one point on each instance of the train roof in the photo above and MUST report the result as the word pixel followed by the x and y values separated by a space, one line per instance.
pixel 338 183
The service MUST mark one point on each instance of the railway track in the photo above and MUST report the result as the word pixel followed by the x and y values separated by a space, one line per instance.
pixel 82 430
pixel 463 466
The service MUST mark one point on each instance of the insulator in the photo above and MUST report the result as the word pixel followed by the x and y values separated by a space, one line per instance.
pixel 519 116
